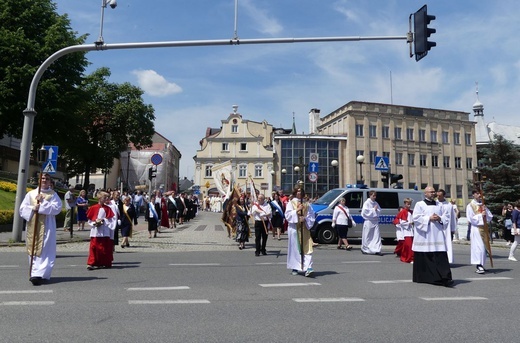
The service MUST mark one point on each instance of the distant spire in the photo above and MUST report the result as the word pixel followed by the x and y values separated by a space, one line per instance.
pixel 478 107
pixel 293 132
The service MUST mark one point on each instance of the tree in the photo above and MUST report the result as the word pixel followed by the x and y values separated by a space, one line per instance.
pixel 31 31
pixel 500 161
pixel 112 116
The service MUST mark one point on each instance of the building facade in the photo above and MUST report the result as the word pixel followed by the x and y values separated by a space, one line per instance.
pixel 426 146
pixel 244 145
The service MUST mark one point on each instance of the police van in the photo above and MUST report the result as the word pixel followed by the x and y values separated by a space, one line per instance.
pixel 388 198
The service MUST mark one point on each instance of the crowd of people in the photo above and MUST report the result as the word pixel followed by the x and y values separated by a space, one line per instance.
pixel 111 221
pixel 424 233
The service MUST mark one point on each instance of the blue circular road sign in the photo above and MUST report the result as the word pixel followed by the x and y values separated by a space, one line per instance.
pixel 156 159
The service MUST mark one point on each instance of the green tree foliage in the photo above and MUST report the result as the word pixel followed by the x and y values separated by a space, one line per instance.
pixel 500 162
pixel 112 116
pixel 30 32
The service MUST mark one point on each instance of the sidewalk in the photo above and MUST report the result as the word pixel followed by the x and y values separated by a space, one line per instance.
pixel 205 232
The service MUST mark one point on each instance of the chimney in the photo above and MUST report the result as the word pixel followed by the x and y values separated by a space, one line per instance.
pixel 314 120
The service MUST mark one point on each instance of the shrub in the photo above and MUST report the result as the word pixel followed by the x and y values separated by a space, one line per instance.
pixel 6 217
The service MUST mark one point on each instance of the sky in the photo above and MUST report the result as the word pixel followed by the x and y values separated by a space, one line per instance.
pixel 193 88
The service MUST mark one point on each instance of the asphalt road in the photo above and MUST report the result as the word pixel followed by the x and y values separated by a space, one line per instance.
pixel 206 290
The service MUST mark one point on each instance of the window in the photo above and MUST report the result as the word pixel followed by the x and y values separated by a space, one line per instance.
pixel 354 199
pixel 397 133
pixel 446 161
pixel 234 128
pixel 359 152
pixel 435 161
pixel 409 134
pixel 373 155
pixel 448 191
pixel 373 184
pixel 225 147
pixel 458 163
pixel 386 154
pixel 433 136
pixel 411 159
pixel 243 146
pixel 372 131
pixel 456 138
pixel 467 138
pixel 208 171
pixel 422 160
pixel 459 191
pixel 411 185
pixel 359 130
pixel 469 163
pixel 386 132
pixel 399 158
pixel 242 170
pixel 258 170
pixel 387 200
pixel 422 135
pixel 445 135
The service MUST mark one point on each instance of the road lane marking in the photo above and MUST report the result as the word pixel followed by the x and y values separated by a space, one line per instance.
pixel 390 281
pixel 269 263
pixel 297 284
pixel 355 262
pixel 194 264
pixel 484 278
pixel 157 288
pixel 316 300
pixel 167 302
pixel 9 266
pixel 26 303
pixel 26 292
pixel 453 298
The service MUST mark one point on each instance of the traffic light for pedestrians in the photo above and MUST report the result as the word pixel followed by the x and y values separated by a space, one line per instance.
pixel 385 179
pixel 151 173
pixel 422 32
pixel 395 177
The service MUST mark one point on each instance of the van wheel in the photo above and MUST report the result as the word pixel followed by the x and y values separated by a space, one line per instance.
pixel 327 235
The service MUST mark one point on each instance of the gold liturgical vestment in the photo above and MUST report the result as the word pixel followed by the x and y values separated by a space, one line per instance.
pixel 38 230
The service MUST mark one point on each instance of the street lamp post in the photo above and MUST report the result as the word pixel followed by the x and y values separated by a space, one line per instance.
pixel 299 168
pixel 360 159
pixel 334 165
pixel 284 171
pixel 129 151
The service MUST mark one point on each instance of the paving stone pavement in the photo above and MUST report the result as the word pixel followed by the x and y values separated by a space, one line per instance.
pixel 205 232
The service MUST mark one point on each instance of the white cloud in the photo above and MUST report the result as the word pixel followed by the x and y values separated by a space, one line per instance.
pixel 155 84
pixel 264 23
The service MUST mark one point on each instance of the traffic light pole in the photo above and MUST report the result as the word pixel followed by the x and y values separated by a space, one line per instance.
pixel 30 112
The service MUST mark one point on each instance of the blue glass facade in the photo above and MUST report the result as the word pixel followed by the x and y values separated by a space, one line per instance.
pixel 297 152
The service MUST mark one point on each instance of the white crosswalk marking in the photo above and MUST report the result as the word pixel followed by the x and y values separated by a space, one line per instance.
pixel 26 303
pixel 167 302
pixel 315 300
pixel 453 298
pixel 289 284
pixel 158 288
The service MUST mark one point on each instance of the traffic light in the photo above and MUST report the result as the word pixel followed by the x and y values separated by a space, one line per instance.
pixel 395 177
pixel 151 173
pixel 385 179
pixel 422 32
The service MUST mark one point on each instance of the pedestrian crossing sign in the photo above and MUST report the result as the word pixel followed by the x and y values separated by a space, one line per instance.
pixel 50 167
pixel 382 163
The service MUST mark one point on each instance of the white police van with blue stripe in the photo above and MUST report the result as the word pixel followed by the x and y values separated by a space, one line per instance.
pixel 389 199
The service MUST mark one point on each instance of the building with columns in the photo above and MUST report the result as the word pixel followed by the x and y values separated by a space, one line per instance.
pixel 426 146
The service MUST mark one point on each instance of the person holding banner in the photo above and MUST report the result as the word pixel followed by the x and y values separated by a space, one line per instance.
pixel 40 208
pixel 261 211
pixel 300 217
